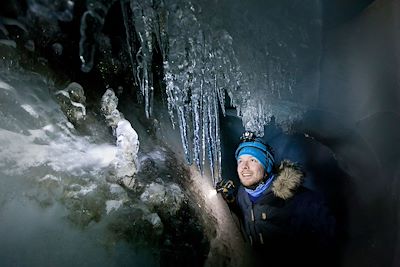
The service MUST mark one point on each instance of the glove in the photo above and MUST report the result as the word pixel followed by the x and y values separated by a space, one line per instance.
pixel 227 190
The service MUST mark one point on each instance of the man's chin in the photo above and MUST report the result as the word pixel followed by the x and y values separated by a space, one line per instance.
pixel 248 184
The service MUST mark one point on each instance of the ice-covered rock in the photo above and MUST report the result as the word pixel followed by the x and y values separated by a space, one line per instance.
pixel 117 190
pixel 126 161
pixel 84 203
pixel 109 104
pixel 77 191
pixel 113 205
pixel 49 189
pixel 156 222
pixel 72 101
pixel 154 194
pixel 168 198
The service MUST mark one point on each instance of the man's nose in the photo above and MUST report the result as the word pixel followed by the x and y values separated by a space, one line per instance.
pixel 245 165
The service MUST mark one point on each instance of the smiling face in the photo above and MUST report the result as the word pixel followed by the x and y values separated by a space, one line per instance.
pixel 250 171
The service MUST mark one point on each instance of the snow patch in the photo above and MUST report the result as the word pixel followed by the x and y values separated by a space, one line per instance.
pixel 50 177
pixel 30 110
pixel 113 205
pixel 6 86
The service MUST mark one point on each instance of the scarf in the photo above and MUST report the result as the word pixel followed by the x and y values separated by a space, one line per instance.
pixel 259 190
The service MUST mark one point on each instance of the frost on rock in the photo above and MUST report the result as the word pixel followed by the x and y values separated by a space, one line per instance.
pixel 109 104
pixel 72 101
pixel 155 222
pixel 167 198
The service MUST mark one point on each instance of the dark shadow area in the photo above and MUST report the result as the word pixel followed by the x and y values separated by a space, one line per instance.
pixel 341 11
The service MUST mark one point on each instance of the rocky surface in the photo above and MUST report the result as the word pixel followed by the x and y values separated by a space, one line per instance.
pixel 72 101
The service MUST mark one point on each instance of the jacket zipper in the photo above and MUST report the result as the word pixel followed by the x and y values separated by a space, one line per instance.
pixel 253 222
pixel 254 226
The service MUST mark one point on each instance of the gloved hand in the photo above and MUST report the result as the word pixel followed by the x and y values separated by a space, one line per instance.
pixel 227 190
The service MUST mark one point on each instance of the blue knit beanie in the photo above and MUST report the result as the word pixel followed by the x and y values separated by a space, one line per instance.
pixel 259 151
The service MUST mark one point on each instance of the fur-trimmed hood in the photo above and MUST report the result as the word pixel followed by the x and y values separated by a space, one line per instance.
pixel 288 178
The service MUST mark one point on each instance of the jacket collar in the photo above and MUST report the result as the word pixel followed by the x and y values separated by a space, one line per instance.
pixel 288 179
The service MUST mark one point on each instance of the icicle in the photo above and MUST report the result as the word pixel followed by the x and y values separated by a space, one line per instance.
pixel 147 91
pixel 217 142
pixel 144 21
pixel 162 22
pixel 196 108
pixel 206 136
pixel 211 134
pixel 89 30
pixel 196 133
pixel 170 88
pixel 91 25
pixel 219 156
pixel 204 124
pixel 184 132
pixel 130 39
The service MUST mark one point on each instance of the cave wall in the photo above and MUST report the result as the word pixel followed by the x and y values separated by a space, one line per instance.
pixel 358 118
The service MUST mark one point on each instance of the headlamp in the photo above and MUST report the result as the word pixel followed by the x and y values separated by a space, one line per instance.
pixel 247 136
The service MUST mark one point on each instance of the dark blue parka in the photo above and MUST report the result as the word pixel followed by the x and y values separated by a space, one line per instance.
pixel 288 224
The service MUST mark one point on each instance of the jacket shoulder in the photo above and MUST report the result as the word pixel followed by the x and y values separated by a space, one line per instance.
pixel 289 178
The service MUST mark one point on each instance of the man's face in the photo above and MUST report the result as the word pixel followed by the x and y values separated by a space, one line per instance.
pixel 250 171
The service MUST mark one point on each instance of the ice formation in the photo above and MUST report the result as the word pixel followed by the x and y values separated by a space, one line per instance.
pixel 109 103
pixel 91 25
pixel 206 57
pixel 126 161
pixel 127 150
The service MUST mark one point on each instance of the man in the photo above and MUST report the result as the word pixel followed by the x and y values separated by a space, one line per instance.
pixel 283 221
